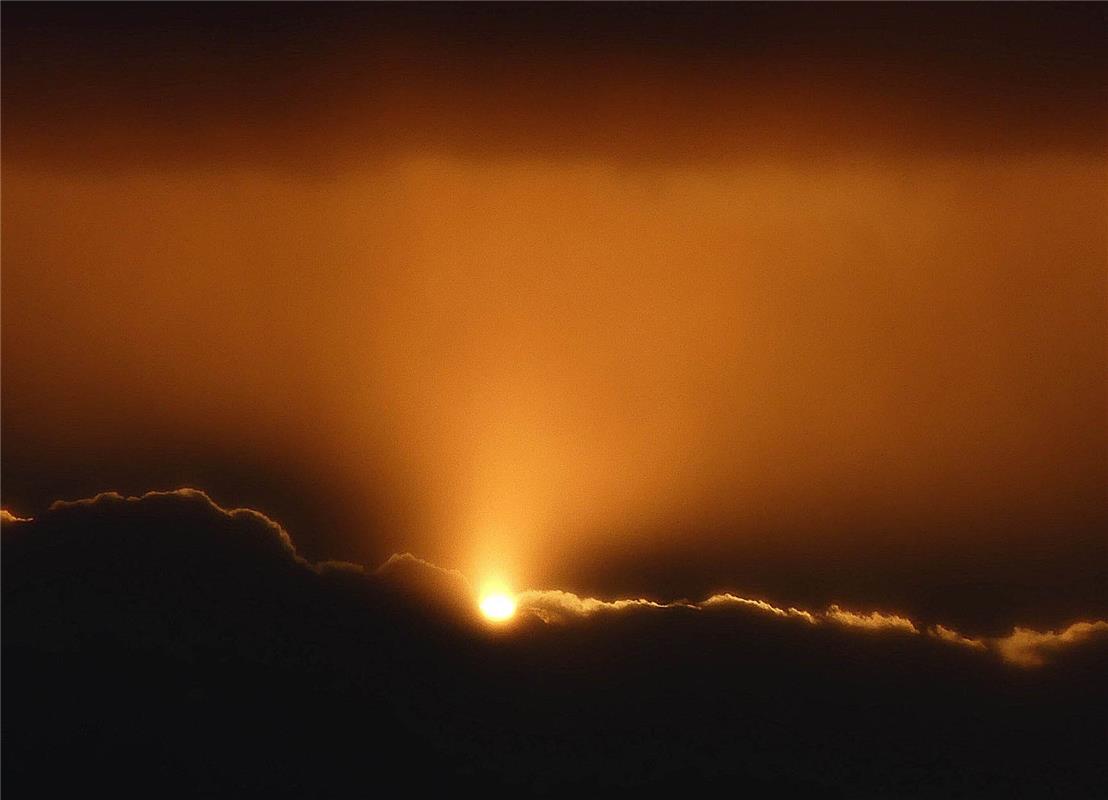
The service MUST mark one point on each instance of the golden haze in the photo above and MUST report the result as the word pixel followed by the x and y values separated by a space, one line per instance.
pixel 546 354
pixel 528 302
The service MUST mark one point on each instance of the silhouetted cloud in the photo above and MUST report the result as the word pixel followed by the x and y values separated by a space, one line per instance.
pixel 401 564
pixel 189 519
pixel 193 640
pixel 186 493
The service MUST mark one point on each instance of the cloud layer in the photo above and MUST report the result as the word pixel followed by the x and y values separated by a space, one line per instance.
pixel 453 594
pixel 166 634
pixel 1023 647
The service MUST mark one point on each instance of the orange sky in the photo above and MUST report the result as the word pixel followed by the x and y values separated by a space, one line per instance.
pixel 575 315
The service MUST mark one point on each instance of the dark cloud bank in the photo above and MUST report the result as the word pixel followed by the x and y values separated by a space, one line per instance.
pixel 164 646
pixel 321 83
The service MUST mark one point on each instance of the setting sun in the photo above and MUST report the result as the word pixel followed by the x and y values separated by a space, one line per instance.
pixel 702 397
pixel 498 607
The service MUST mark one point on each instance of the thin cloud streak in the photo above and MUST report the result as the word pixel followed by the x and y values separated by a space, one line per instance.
pixel 874 620
pixel 1023 647
pixel 555 605
pixel 954 637
pixel 727 598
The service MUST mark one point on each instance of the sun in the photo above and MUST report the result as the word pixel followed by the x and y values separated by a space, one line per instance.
pixel 498 607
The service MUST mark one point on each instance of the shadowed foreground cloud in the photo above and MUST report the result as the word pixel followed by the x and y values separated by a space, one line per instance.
pixel 450 589
pixel 166 635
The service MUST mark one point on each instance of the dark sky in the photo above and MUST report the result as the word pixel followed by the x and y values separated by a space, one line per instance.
pixel 303 88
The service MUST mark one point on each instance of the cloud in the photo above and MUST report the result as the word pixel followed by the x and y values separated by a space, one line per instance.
pixel 555 605
pixel 185 531
pixel 1029 648
pixel 954 637
pixel 267 530
pixel 1024 647
pixel 280 675
pixel 447 591
pixel 874 620
pixel 730 599
pixel 406 563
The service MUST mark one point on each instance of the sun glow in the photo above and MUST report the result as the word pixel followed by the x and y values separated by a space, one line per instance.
pixel 498 606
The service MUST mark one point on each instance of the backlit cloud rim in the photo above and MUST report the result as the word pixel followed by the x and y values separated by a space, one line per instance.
pixel 1023 647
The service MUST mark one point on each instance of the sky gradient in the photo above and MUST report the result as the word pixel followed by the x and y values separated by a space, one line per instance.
pixel 661 304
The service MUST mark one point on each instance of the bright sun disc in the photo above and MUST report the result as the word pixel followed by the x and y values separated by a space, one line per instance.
pixel 498 607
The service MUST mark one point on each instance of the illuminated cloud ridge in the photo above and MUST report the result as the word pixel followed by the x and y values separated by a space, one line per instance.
pixel 1023 647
